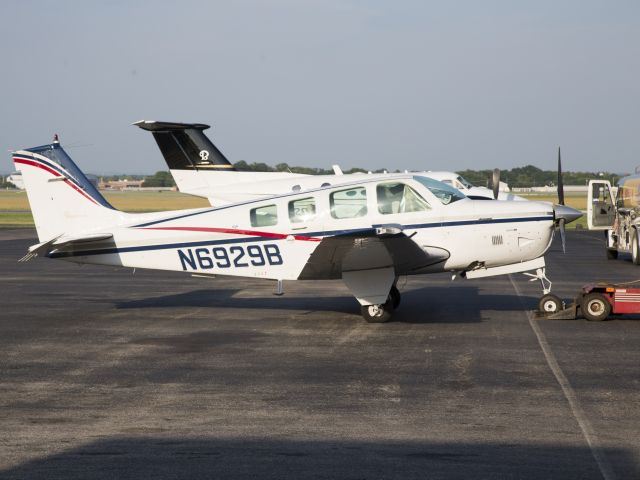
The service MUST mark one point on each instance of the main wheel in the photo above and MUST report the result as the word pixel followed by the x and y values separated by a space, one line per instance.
pixel 550 303
pixel 395 297
pixel 377 313
pixel 612 254
pixel 635 251
pixel 595 307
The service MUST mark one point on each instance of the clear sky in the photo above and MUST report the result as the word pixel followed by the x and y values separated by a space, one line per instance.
pixel 395 84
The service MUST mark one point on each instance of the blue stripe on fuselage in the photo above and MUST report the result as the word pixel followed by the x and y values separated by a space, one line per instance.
pixel 326 233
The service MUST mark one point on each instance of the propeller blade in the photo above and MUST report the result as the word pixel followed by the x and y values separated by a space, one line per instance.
pixel 560 182
pixel 563 236
pixel 495 183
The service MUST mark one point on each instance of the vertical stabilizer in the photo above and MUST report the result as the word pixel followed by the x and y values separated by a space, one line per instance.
pixel 61 197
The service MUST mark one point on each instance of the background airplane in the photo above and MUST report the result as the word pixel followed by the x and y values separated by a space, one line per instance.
pixel 200 168
pixel 367 230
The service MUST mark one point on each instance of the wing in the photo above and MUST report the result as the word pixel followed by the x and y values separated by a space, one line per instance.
pixel 378 247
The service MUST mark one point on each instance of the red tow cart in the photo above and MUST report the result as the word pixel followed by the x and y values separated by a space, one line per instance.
pixel 597 301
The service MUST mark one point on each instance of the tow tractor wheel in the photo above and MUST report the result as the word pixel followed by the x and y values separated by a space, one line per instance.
pixel 595 307
pixel 550 303
pixel 377 313
pixel 635 251
pixel 395 297
pixel 612 254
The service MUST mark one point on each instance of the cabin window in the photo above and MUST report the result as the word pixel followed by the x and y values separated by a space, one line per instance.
pixel 399 198
pixel 266 216
pixel 349 203
pixel 302 210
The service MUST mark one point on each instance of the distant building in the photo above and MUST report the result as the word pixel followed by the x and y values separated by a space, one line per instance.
pixel 16 179
pixel 92 179
pixel 120 184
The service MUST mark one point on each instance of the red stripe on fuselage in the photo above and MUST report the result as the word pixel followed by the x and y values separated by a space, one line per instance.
pixel 233 231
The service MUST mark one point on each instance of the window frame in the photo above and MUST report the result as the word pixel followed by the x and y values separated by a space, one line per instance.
pixel 253 215
pixel 365 204
pixel 297 220
pixel 405 185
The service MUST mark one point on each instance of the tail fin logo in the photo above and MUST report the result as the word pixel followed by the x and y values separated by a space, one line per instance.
pixel 204 155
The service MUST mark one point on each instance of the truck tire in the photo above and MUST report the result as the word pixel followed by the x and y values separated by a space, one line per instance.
pixel 635 249
pixel 595 307
pixel 612 254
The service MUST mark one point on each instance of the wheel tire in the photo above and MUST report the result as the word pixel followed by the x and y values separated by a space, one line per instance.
pixel 612 254
pixel 595 307
pixel 550 303
pixel 395 297
pixel 377 313
pixel 635 249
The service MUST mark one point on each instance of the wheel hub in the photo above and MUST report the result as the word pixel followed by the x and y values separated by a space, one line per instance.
pixel 595 307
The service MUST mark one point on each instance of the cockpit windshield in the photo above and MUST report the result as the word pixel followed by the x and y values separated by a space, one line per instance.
pixel 465 182
pixel 443 192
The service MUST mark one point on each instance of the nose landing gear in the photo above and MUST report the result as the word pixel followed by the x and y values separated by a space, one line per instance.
pixel 548 303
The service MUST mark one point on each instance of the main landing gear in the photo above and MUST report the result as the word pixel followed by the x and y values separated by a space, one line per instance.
pixel 548 303
pixel 382 313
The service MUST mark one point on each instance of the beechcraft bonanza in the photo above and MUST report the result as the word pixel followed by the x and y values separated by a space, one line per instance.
pixel 366 230
pixel 200 168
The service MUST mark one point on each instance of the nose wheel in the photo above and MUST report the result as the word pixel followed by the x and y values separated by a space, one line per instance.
pixel 550 303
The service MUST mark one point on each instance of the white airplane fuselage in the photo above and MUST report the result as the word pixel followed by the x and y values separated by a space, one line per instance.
pixel 225 187
pixel 223 241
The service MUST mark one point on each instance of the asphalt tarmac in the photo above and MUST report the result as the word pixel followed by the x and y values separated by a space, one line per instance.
pixel 106 373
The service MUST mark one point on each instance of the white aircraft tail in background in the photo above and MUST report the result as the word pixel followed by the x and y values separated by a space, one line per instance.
pixel 199 167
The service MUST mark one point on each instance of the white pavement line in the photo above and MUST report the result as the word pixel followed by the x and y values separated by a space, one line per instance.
pixel 587 430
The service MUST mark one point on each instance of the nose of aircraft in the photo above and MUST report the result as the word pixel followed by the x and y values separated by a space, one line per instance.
pixel 568 214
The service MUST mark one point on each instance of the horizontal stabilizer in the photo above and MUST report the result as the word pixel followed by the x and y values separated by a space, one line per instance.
pixel 61 241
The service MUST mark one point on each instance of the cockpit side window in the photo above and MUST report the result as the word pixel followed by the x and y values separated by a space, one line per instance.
pixel 396 197
pixel 445 193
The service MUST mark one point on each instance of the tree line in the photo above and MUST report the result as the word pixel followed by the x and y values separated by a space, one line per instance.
pixel 519 177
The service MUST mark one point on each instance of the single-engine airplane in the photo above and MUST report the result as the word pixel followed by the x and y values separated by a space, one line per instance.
pixel 200 168
pixel 366 230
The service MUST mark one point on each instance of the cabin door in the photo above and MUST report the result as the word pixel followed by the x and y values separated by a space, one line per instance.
pixel 601 209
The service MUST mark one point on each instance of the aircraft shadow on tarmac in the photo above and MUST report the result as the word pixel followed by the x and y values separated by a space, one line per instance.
pixel 426 305
pixel 168 457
